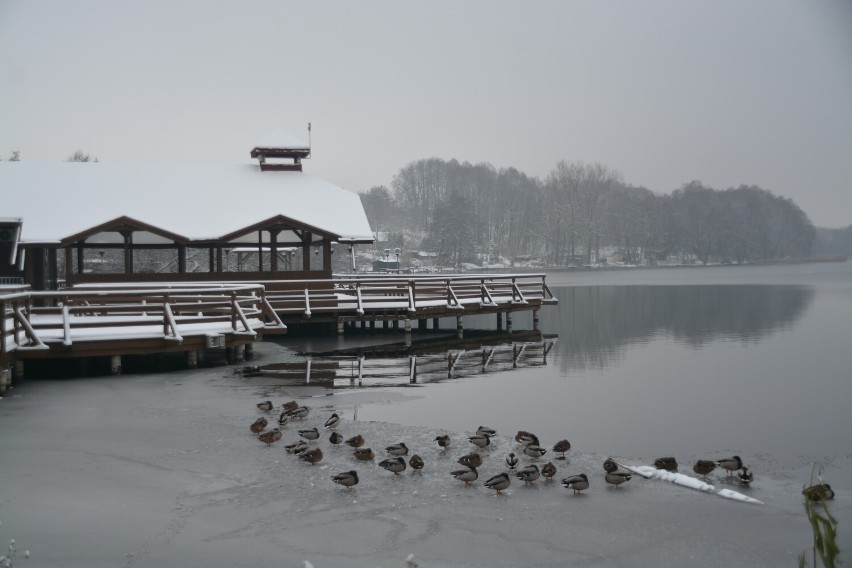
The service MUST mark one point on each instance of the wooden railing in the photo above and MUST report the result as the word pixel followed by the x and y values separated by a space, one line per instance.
pixel 32 319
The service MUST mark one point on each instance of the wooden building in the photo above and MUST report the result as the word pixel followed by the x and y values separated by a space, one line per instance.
pixel 69 223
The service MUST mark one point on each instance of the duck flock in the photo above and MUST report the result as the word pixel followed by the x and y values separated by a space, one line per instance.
pixel 529 448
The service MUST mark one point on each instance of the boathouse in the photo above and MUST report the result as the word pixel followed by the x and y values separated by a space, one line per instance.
pixel 70 223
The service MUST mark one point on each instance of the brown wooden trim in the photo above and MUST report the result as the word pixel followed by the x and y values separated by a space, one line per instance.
pixel 120 223
pixel 279 222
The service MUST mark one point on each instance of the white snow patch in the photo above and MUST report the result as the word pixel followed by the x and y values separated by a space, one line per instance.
pixel 649 472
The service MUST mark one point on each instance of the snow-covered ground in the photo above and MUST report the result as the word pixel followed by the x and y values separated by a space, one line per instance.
pixel 162 470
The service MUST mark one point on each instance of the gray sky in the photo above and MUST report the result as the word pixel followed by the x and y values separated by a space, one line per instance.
pixel 727 92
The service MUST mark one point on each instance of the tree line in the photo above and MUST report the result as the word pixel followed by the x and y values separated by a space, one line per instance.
pixel 467 212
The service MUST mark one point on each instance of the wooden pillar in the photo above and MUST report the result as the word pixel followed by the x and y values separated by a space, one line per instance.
pixel 460 326
pixel 239 353
pixel 181 259
pixel 273 250
pixel 536 326
pixel 219 258
pixel 260 250
pixel 69 265
pixel 128 251
pixel 211 259
pixel 326 255
pixel 306 251
pixel 115 365
pixel 192 359
pixel 407 325
pixel 499 321
pixel 79 257
pixel 509 322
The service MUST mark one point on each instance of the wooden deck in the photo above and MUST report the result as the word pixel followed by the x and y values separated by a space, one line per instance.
pixel 120 319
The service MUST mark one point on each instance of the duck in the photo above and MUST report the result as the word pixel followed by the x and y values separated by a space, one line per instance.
pixel 548 470
pixel 467 474
pixel 288 406
pixel 258 425
pixel 730 464
pixel 394 465
pixel 311 456
pixel 667 463
pixel 528 474
pixel 355 441
pixel 819 492
pixel 524 437
pixel 399 449
pixel 296 447
pixel 534 450
pixel 499 482
pixel 283 418
pixel 443 441
pixel 576 482
pixel 336 438
pixel 347 479
pixel 610 465
pixel 333 421
pixel 480 440
pixel 561 447
pixel 472 459
pixel 416 462
pixel 745 477
pixel 310 434
pixel 270 437
pixel 511 461
pixel 364 454
pixel 265 406
pixel 301 412
pixel 618 477
pixel 486 430
pixel 703 467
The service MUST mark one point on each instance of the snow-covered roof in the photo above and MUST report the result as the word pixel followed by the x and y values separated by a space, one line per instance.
pixel 279 139
pixel 197 201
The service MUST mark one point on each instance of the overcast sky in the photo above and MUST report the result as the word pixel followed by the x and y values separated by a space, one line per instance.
pixel 725 92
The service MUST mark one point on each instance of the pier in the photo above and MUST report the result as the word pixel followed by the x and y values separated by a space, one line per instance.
pixel 112 320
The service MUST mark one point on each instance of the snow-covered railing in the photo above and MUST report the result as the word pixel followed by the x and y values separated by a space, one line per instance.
pixel 34 320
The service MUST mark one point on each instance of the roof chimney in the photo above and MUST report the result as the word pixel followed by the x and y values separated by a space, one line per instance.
pixel 274 151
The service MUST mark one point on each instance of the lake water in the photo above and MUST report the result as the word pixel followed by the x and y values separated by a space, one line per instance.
pixel 650 362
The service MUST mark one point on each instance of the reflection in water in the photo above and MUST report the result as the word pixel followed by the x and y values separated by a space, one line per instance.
pixel 596 324
pixel 403 365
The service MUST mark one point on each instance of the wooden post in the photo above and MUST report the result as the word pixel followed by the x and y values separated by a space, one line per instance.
pixel 407 325
pixel 273 248
pixel 192 359
pixel 115 365
pixel 499 321
pixel 536 326
pixel 508 322
pixel 460 326
pixel 182 259
pixel 306 251
pixel 239 353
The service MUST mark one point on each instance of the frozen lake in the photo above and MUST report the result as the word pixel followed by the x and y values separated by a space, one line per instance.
pixel 161 469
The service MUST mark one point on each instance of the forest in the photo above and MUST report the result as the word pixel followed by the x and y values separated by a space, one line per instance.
pixel 468 212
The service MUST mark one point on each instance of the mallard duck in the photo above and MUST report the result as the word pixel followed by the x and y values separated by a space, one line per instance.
pixel 347 479
pixel 668 464
pixel 511 461
pixel 310 434
pixel 258 425
pixel 745 477
pixel 355 441
pixel 333 421
pixel 301 413
pixel 443 441
pixel 467 474
pixel 548 470
pixel 265 406
pixel 288 406
pixel 399 449
pixel 270 437
pixel 336 438
pixel 296 447
pixel 394 465
pixel 534 451
pixel 480 440
pixel 528 474
pixel 499 482
pixel 524 437
pixel 819 492
pixel 618 477
pixel 609 465
pixel 364 454
pixel 416 462
pixel 703 467
pixel 730 464
pixel 284 418
pixel 486 430
pixel 576 482
pixel 311 456
pixel 561 447
pixel 472 459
